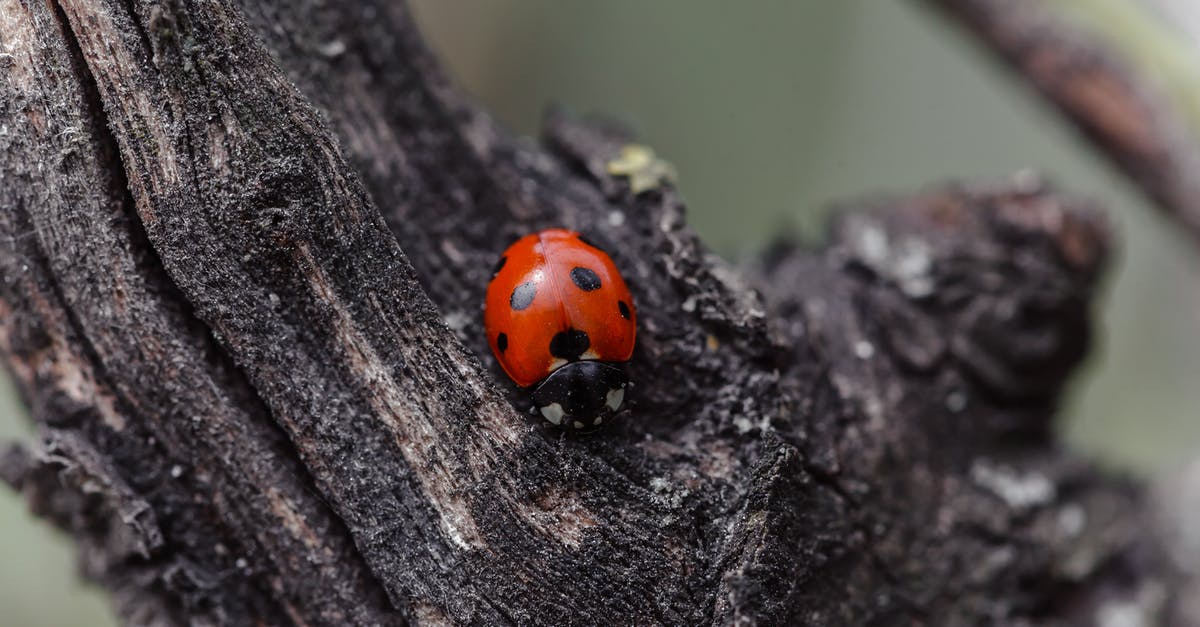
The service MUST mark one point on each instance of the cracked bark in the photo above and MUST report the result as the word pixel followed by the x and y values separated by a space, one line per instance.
pixel 245 247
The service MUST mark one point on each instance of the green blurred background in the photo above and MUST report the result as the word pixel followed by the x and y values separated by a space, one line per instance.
pixel 771 111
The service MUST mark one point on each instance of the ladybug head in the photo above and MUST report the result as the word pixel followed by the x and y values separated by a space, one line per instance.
pixel 581 393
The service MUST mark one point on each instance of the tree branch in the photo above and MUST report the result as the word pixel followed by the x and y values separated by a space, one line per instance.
pixel 1094 88
pixel 142 415
pixel 862 439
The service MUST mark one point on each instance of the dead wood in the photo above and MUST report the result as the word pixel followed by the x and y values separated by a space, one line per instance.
pixel 245 250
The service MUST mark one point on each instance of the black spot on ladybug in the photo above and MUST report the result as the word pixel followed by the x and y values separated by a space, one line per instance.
pixel 585 279
pixel 499 264
pixel 522 295
pixel 569 344
pixel 502 342
pixel 589 242
pixel 623 308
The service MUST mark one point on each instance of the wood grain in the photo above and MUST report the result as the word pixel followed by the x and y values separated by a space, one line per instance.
pixel 247 252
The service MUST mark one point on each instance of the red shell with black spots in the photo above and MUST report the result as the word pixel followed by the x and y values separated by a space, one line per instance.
pixel 554 298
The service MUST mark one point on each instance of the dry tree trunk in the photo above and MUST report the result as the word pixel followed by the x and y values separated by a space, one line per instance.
pixel 244 247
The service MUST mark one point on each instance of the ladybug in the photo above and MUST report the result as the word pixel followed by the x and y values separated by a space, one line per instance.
pixel 561 322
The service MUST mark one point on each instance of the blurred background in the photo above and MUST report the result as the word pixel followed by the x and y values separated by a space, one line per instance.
pixel 772 112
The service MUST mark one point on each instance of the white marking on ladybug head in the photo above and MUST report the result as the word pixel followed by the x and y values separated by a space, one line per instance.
pixel 589 354
pixel 556 363
pixel 614 398
pixel 553 412
pixel 578 425
pixel 598 420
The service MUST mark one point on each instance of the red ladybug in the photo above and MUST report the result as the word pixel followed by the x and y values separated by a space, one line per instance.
pixel 560 321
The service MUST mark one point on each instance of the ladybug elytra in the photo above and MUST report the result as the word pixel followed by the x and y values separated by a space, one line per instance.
pixel 561 322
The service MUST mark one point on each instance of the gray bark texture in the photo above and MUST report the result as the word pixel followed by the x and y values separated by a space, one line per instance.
pixel 244 248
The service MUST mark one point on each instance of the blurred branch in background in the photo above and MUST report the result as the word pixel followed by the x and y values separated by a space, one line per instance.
pixel 1160 37
pixel 1093 78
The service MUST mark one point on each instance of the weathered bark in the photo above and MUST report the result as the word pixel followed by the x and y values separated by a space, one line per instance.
pixel 247 247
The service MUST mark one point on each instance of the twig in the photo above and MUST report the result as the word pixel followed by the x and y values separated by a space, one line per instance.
pixel 1097 90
